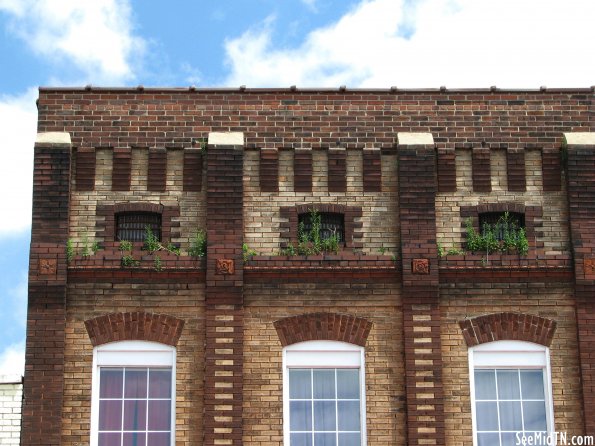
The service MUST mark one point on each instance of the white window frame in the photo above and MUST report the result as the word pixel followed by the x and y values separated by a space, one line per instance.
pixel 321 355
pixel 131 354
pixel 512 355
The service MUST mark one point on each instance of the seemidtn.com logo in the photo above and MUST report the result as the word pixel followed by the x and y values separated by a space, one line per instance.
pixel 553 439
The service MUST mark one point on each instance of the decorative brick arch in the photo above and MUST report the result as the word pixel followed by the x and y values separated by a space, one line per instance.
pixel 323 326
pixel 508 326
pixel 289 228
pixel 134 326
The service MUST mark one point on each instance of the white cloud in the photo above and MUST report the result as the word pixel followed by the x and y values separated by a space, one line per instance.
pixel 96 36
pixel 457 43
pixel 19 117
pixel 12 359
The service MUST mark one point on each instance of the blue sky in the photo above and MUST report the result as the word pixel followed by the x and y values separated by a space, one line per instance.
pixel 257 43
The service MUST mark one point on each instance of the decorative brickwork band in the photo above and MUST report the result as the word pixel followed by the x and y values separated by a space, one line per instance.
pixel 269 170
pixel 85 169
pixel 157 171
pixel 337 169
pixel 46 312
pixel 134 326
pixel 515 169
pixel 580 176
pixel 192 170
pixel 302 170
pixel 121 169
pixel 447 170
pixel 323 326
pixel 289 227
pixel 480 165
pixel 508 327
pixel 372 170
pixel 551 170
pixel 421 303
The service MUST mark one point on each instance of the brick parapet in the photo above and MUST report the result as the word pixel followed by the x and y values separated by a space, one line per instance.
pixel 46 313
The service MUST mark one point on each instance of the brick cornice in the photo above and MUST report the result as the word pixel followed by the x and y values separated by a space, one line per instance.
pixel 137 325
pixel 508 327
pixel 323 326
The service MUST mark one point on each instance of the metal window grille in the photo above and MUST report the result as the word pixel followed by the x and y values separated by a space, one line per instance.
pixel 131 226
pixel 516 220
pixel 330 223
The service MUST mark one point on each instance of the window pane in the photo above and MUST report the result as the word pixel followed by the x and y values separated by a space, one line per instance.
pixel 485 384
pixel 487 416
pixel 135 439
pixel 325 416
pixel 532 384
pixel 300 383
pixel 135 415
pixel 350 439
pixel 110 415
pixel 324 384
pixel 508 384
pixel 159 415
pixel 348 384
pixel 326 439
pixel 510 438
pixel 349 419
pixel 300 416
pixel 534 415
pixel 491 439
pixel 110 439
pixel 158 439
pixel 135 383
pixel 110 383
pixel 160 384
pixel 510 416
pixel 302 439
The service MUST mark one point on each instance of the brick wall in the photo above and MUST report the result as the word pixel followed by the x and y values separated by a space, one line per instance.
pixel 11 400
pixel 377 302
pixel 554 301
pixel 553 234
pixel 87 300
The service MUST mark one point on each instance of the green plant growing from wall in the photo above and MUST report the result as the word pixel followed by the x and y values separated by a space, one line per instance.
pixel 198 245
pixel 128 261
pixel 157 263
pixel 310 242
pixel 69 251
pixel 125 245
pixel 247 252
pixel 152 243
pixel 503 236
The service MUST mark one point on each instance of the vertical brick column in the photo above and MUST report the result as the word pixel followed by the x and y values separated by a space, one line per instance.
pixel 481 170
pixel 224 290
pixel 421 312
pixel 581 206
pixel 46 314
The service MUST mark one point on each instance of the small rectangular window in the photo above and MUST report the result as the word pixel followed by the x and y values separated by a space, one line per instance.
pixel 501 223
pixel 331 223
pixel 131 226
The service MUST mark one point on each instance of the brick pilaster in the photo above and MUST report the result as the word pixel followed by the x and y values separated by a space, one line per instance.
pixel 157 170
pixel 515 169
pixel 581 211
pixel 46 314
pixel 302 170
pixel 447 170
pixel 372 170
pixel 551 170
pixel 193 170
pixel 224 290
pixel 85 169
pixel 421 309
pixel 121 169
pixel 269 170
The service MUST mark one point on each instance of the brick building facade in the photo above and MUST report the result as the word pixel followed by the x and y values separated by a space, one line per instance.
pixel 411 330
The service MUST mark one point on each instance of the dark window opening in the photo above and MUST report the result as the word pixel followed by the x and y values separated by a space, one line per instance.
pixel 131 226
pixel 501 223
pixel 330 223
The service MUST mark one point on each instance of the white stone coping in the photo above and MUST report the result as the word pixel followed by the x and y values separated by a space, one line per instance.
pixel 415 139
pixel 11 379
pixel 53 138
pixel 226 138
pixel 580 138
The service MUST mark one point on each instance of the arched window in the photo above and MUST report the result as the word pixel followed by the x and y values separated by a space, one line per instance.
pixel 324 394
pixel 510 393
pixel 133 396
